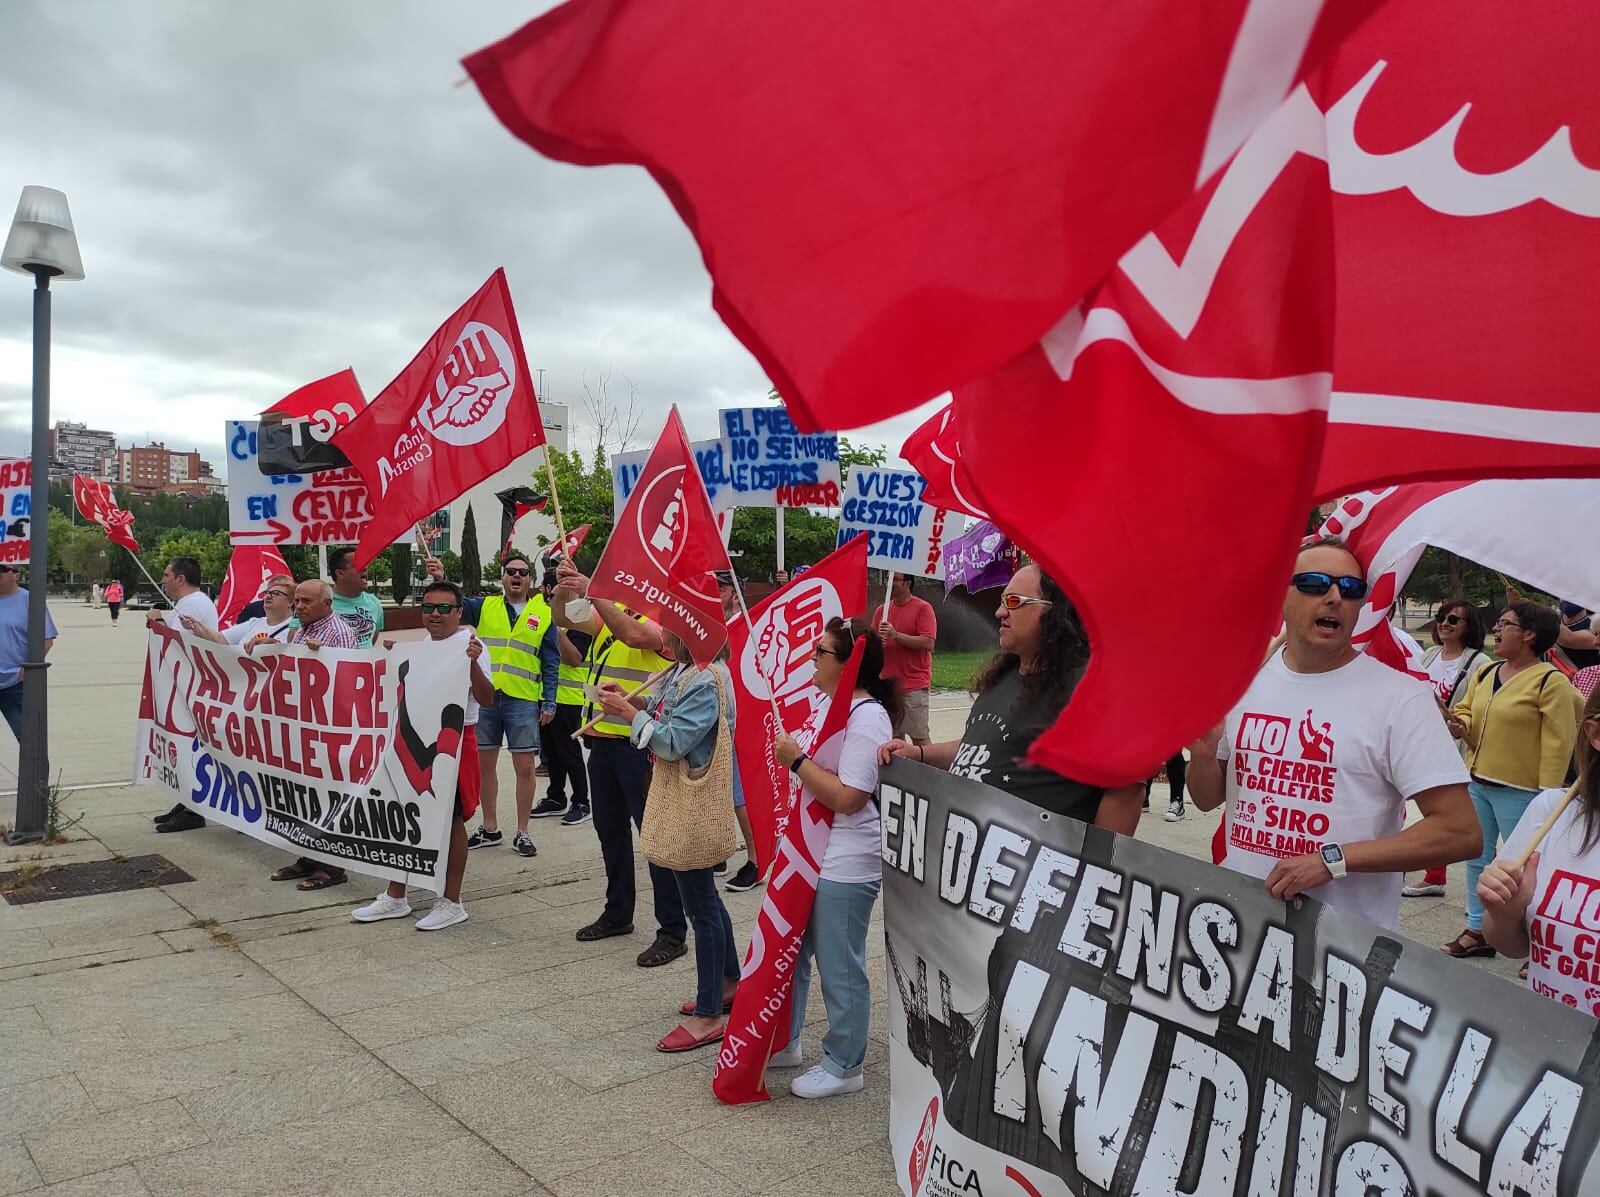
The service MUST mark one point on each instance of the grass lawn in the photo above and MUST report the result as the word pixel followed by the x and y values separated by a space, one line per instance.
pixel 953 671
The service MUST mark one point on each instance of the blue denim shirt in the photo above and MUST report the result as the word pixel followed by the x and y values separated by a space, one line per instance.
pixel 680 720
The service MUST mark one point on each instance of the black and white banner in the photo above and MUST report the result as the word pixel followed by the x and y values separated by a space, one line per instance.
pixel 1081 1013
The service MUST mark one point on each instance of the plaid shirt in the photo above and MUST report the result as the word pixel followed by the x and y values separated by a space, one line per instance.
pixel 330 631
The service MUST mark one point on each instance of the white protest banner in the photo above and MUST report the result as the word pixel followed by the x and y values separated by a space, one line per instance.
pixel 348 757
pixel 771 463
pixel 709 456
pixel 906 534
pixel 16 498
pixel 328 507
pixel 1073 1012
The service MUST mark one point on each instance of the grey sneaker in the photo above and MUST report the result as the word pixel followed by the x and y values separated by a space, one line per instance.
pixel 523 845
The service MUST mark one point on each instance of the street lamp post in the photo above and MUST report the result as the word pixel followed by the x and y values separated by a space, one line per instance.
pixel 41 243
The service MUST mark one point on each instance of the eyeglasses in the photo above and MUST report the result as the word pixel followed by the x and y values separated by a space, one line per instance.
pixel 437 608
pixel 277 594
pixel 828 652
pixel 1015 602
pixel 515 573
pixel 1506 623
pixel 1315 582
pixel 1451 621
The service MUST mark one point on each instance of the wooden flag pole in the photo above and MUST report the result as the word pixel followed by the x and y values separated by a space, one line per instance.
pixel 637 690
pixel 160 593
pixel 1521 858
pixel 555 501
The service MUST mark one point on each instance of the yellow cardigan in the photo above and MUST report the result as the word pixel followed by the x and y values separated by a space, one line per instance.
pixel 1524 735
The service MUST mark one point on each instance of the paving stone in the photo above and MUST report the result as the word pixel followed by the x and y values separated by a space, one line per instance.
pixel 249 1103
pixel 97 1142
pixel 435 1058
pixel 117 1182
pixel 42 1102
pixel 661 1169
pixel 17 1173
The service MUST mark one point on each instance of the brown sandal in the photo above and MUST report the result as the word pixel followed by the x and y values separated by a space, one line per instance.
pixel 323 878
pixel 1467 945
pixel 293 872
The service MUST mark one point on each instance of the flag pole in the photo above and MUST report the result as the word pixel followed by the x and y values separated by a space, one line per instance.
pixel 162 593
pixel 555 501
pixel 635 692
pixel 1521 858
pixel 888 593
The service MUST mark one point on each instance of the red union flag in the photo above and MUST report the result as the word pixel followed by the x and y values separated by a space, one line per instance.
pixel 934 451
pixel 758 1024
pixel 1228 423
pixel 775 662
pixel 463 409
pixel 97 503
pixel 568 545
pixel 941 208
pixel 665 549
pixel 249 567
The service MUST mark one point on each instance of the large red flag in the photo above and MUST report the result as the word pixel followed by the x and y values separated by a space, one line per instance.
pixel 249 567
pixel 1464 151
pixel 934 451
pixel 758 1024
pixel 775 663
pixel 463 409
pixel 665 549
pixel 97 503
pixel 949 177
pixel 1162 445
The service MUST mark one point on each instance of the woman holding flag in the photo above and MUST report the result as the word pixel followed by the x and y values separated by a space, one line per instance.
pixel 843 776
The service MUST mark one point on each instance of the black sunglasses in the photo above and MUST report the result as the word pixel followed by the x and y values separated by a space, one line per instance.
pixel 437 608
pixel 1452 620
pixel 1315 582
pixel 515 573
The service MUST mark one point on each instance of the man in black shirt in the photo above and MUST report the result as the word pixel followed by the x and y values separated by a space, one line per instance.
pixel 1041 659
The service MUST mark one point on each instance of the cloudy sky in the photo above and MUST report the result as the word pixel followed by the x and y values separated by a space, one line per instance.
pixel 265 194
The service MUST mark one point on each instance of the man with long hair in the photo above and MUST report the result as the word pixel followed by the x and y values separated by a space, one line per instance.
pixel 1042 655
pixel 1318 759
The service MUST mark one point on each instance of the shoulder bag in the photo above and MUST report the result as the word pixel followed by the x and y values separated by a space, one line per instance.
pixel 688 819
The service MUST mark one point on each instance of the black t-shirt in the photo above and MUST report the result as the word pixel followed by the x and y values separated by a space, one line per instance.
pixel 999 732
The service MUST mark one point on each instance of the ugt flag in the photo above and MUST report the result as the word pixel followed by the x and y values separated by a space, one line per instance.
pixel 249 567
pixel 665 549
pixel 97 503
pixel 463 409
pixel 772 664
pixel 934 451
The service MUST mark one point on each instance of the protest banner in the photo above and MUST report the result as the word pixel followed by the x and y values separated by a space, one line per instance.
pixel 710 457
pixel 16 501
pixel 771 463
pixel 328 507
pixel 346 757
pixel 907 534
pixel 1078 1012
pixel 980 558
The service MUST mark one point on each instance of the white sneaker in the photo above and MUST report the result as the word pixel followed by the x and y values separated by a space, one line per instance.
pixel 819 1082
pixel 1422 890
pixel 1174 812
pixel 789 1057
pixel 445 913
pixel 380 908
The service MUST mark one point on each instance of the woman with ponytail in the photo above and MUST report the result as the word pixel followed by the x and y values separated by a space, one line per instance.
pixel 1554 884
pixel 843 777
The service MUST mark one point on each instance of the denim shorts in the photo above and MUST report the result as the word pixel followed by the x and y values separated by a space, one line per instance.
pixel 515 720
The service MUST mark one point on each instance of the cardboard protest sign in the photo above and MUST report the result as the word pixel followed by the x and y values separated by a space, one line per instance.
pixel 328 507
pixel 16 500
pixel 771 463
pixel 710 457
pixel 907 533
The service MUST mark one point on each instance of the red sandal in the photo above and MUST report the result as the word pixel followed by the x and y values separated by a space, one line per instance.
pixel 682 1039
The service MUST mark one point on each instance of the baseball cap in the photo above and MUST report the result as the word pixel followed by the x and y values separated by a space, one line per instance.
pixel 725 578
pixel 1572 610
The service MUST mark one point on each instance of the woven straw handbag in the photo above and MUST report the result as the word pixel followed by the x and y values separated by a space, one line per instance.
pixel 688 819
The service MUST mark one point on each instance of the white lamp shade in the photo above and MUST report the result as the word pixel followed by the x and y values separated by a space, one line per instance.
pixel 41 235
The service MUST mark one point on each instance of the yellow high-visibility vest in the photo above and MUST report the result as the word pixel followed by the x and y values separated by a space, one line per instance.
pixel 514 651
pixel 569 690
pixel 610 660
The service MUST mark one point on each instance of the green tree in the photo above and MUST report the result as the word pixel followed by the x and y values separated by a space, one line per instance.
pixel 471 568
pixel 87 553
pixel 452 564
pixel 585 488
pixel 400 571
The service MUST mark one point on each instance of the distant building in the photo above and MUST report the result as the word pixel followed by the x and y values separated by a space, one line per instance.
pixel 155 469
pixel 527 470
pixel 79 449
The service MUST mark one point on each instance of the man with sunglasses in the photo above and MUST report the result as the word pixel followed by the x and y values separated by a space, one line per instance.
pixel 525 662
pixel 14 643
pixel 1318 760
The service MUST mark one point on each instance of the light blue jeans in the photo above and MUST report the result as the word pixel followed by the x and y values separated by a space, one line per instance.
pixel 1499 809
pixel 837 938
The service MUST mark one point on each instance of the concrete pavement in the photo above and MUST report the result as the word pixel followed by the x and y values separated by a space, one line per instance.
pixel 234 1035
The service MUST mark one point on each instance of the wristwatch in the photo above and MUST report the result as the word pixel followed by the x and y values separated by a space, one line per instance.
pixel 798 761
pixel 1333 857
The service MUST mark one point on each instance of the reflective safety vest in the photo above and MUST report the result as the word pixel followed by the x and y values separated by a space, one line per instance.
pixel 514 651
pixel 569 691
pixel 610 660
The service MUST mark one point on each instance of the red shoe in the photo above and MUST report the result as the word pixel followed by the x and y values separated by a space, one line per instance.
pixel 682 1039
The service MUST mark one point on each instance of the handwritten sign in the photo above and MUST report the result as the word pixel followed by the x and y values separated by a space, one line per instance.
pixel 710 456
pixel 771 463
pixel 328 507
pixel 904 533
pixel 16 497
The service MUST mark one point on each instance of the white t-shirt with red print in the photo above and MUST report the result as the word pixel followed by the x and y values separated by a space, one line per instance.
pixel 1316 758
pixel 1564 917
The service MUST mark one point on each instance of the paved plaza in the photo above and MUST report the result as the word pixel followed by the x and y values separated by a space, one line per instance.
pixel 230 1035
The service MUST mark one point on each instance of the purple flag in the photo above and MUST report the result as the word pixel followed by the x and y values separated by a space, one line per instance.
pixel 979 558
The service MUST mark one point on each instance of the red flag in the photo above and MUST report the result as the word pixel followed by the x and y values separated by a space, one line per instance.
pixel 777 662
pixel 766 982
pixel 665 549
pixel 463 409
pixel 1464 146
pixel 567 546
pixel 335 400
pixel 97 503
pixel 1167 437
pixel 941 205
pixel 934 451
pixel 249 567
